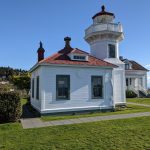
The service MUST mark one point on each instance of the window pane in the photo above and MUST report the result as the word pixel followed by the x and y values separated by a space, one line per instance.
pixel 126 66
pixel 79 57
pixel 37 87
pixel 112 51
pixel 127 82
pixel 62 86
pixel 130 81
pixel 32 88
pixel 97 87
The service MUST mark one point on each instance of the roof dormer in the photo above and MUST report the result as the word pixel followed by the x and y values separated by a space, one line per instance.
pixel 128 65
pixel 78 55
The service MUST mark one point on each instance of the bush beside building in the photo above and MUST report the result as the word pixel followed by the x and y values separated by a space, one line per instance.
pixel 10 107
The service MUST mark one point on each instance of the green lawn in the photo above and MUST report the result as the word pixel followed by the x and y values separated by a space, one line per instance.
pixel 23 101
pixel 139 100
pixel 125 134
pixel 129 109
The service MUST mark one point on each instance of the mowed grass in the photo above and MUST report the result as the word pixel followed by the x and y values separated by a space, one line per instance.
pixel 23 101
pixel 127 110
pixel 125 134
pixel 139 100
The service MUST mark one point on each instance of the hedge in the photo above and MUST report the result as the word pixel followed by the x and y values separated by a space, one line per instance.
pixel 10 107
pixel 130 94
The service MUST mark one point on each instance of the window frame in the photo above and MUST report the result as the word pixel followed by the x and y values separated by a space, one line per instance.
pixel 37 87
pixel 79 57
pixel 127 66
pixel 130 81
pixel 127 82
pixel 33 87
pixel 109 50
pixel 102 78
pixel 68 86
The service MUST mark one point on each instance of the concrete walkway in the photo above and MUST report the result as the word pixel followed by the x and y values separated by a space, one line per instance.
pixel 37 123
pixel 145 105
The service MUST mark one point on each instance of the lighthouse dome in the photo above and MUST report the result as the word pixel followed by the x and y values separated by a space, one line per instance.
pixel 103 16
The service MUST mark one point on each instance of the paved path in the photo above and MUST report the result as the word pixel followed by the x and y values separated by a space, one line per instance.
pixel 145 105
pixel 37 123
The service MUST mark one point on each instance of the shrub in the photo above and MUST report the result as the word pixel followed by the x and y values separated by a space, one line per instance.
pixel 130 94
pixel 10 107
pixel 22 82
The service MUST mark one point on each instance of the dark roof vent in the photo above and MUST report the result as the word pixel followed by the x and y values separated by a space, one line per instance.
pixel 67 42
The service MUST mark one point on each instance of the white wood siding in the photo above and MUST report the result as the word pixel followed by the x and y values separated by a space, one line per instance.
pixel 36 103
pixel 80 89
pixel 138 74
pixel 119 86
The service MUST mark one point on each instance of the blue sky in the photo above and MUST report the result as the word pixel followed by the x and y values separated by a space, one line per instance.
pixel 23 23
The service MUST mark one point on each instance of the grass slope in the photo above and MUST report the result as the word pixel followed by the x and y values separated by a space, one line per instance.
pixel 139 100
pixel 131 134
pixel 23 101
pixel 129 109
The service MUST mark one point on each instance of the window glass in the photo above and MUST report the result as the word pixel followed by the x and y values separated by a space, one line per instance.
pixel 32 88
pixel 130 81
pixel 79 57
pixel 97 86
pixel 126 66
pixel 127 82
pixel 37 88
pixel 63 87
pixel 112 51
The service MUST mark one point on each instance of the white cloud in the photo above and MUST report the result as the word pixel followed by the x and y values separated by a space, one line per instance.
pixel 147 66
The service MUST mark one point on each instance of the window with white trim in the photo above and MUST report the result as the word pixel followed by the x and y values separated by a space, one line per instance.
pixel 77 57
pixel 37 87
pixel 33 88
pixel 112 51
pixel 63 87
pixel 97 87
pixel 127 66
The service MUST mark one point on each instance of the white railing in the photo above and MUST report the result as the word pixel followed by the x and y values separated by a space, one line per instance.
pixel 104 27
pixel 143 90
pixel 132 88
pixel 136 89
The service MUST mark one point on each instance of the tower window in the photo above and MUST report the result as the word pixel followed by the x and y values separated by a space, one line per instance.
pixel 112 51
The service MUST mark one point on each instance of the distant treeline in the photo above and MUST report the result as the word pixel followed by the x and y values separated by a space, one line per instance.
pixel 18 79
pixel 7 72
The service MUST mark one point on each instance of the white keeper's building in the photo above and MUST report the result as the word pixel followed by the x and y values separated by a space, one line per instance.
pixel 73 80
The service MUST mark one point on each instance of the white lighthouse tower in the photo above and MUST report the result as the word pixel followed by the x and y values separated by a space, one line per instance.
pixel 103 37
